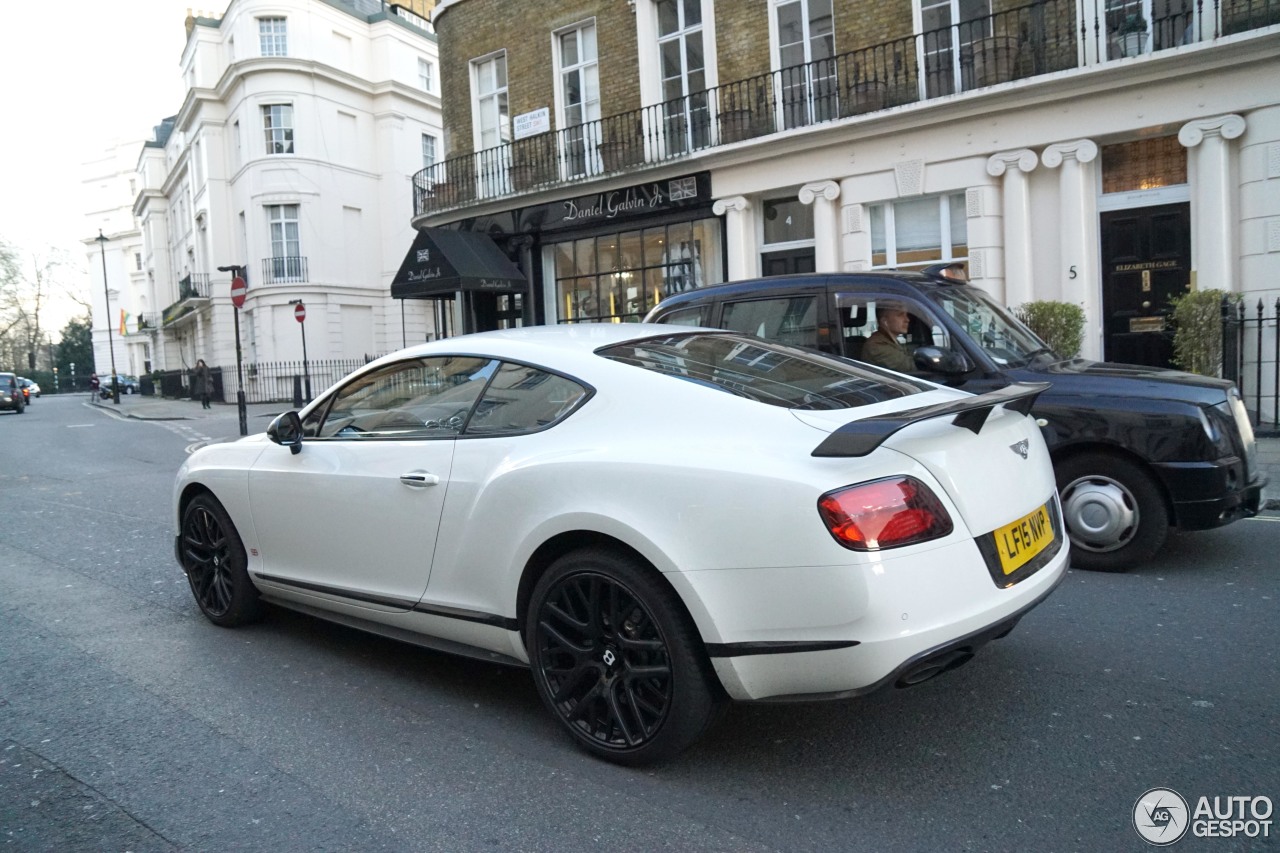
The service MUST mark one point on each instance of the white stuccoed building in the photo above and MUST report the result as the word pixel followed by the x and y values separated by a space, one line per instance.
pixel 110 182
pixel 290 157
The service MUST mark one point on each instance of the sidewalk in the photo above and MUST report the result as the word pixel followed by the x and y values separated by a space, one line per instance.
pixel 260 414
pixel 151 408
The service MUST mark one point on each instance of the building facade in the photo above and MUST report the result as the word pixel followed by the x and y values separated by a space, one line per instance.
pixel 288 165
pixel 1109 153
pixel 119 307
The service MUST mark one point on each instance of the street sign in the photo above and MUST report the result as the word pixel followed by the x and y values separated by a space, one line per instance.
pixel 238 290
pixel 300 312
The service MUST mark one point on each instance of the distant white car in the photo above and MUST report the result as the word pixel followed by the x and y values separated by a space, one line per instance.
pixel 652 520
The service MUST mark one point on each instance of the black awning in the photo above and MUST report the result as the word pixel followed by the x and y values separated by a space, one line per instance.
pixel 443 261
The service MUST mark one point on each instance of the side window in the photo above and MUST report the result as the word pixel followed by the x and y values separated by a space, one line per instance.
pixel 524 399
pixel 417 398
pixel 862 315
pixel 699 315
pixel 789 320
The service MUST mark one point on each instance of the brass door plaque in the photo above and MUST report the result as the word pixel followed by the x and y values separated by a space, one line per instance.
pixel 1146 324
pixel 1146 281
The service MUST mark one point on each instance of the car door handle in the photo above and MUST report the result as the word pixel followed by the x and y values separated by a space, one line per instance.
pixel 419 479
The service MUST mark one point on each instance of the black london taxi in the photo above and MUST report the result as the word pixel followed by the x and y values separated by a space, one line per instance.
pixel 1136 450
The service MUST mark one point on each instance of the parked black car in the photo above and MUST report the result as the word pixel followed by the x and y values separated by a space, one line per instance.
pixel 11 396
pixel 128 385
pixel 1136 449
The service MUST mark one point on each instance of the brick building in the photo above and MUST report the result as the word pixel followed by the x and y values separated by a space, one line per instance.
pixel 1109 153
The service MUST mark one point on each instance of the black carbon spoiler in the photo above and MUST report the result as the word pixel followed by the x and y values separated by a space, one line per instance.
pixel 858 438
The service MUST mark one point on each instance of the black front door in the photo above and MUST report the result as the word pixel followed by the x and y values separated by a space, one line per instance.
pixel 790 262
pixel 1146 260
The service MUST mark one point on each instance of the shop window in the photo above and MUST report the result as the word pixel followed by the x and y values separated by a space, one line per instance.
pixel 919 232
pixel 618 277
pixel 1144 164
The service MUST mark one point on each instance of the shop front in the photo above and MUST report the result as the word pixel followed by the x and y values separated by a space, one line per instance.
pixel 605 257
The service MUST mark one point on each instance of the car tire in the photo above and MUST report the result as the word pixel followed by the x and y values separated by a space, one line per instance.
pixel 617 659
pixel 1114 511
pixel 214 559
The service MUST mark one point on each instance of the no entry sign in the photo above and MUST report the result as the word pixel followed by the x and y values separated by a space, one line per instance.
pixel 299 312
pixel 238 290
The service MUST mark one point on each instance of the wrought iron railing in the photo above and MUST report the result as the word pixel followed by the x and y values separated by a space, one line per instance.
pixel 190 288
pixel 264 381
pixel 284 270
pixel 1038 38
pixel 1251 359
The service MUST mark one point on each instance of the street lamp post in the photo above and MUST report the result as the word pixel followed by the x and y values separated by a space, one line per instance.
pixel 111 347
pixel 238 288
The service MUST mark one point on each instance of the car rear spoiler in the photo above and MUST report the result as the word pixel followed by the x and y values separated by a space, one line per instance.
pixel 858 438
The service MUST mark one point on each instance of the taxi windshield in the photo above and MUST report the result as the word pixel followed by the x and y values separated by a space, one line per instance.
pixel 991 326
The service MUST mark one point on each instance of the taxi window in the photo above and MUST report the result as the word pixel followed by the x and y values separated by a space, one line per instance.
pixel 789 319
pixel 699 315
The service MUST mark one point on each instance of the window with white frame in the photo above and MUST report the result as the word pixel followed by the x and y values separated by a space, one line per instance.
pixel 426 74
pixel 919 232
pixel 492 118
pixel 285 263
pixel 428 151
pixel 685 112
pixel 273 37
pixel 949 30
pixel 806 59
pixel 277 126
pixel 579 95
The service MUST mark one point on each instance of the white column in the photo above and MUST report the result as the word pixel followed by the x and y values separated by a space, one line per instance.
pixel 1079 262
pixel 1214 215
pixel 739 237
pixel 1015 212
pixel 826 224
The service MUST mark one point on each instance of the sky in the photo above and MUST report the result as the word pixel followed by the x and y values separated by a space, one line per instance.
pixel 75 76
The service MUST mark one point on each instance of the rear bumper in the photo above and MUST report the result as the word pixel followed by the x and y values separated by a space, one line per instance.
pixel 1210 494
pixel 839 631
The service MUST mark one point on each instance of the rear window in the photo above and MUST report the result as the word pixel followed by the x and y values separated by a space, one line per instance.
pixel 766 372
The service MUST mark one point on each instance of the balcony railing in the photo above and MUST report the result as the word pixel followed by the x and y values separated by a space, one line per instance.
pixel 1038 38
pixel 190 288
pixel 284 270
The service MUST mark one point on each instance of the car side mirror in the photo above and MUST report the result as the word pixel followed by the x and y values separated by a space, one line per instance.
pixel 945 361
pixel 286 431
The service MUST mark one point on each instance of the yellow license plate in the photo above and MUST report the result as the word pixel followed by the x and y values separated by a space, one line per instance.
pixel 1019 542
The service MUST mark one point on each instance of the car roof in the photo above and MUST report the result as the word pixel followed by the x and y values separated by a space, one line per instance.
pixel 533 343
pixel 902 281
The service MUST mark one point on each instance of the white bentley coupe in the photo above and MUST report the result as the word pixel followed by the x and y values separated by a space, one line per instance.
pixel 653 521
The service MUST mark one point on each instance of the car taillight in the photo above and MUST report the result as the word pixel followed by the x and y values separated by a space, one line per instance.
pixel 883 514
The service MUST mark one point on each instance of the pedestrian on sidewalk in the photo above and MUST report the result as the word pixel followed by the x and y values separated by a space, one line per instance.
pixel 201 386
pixel 94 384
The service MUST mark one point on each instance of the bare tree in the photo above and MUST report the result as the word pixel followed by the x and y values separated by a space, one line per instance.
pixel 26 290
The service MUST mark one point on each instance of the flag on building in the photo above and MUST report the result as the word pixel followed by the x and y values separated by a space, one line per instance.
pixel 123 318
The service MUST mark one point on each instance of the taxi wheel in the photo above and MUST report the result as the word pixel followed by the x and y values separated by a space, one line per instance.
pixel 214 559
pixel 617 660
pixel 1114 511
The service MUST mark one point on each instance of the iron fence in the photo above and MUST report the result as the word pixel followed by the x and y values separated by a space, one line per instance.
pixel 264 381
pixel 1251 359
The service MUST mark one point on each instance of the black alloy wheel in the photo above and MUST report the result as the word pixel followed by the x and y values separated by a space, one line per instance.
pixel 214 560
pixel 617 659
